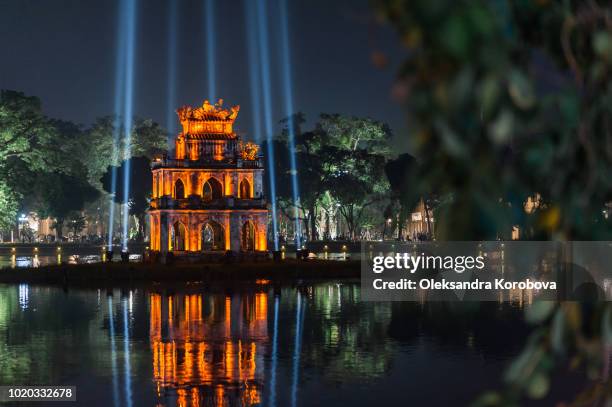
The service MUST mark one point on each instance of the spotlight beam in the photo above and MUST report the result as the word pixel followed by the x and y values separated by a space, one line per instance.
pixel 128 110
pixel 267 99
pixel 111 326
pixel 126 355
pixel 288 93
pixel 119 78
pixel 254 68
pixel 209 16
pixel 172 56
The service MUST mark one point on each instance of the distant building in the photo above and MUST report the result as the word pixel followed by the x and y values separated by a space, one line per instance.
pixel 209 196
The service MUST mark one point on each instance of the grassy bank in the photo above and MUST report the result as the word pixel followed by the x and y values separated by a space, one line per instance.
pixel 105 273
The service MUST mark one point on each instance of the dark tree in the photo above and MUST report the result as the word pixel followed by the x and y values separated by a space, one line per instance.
pixel 141 186
pixel 59 196
pixel 403 177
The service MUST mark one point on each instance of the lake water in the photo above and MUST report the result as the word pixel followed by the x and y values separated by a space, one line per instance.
pixel 254 345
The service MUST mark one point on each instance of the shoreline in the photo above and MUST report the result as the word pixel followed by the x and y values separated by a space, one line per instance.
pixel 103 274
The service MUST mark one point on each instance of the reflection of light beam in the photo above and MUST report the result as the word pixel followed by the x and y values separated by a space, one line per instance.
pixel 119 78
pixel 299 316
pixel 126 355
pixel 127 106
pixel 209 11
pixel 254 68
pixel 267 99
pixel 113 352
pixel 288 90
pixel 24 293
pixel 274 354
pixel 172 50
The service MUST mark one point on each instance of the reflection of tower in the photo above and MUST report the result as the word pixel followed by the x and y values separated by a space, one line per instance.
pixel 198 357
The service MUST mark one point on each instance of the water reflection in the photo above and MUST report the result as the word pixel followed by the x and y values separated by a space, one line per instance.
pixel 23 296
pixel 316 344
pixel 126 351
pixel 299 317
pixel 111 325
pixel 195 356
pixel 274 356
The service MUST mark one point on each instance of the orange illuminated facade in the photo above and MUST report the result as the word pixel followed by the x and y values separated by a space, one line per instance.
pixel 209 196
pixel 206 350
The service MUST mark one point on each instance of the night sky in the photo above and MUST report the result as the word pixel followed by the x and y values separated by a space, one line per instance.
pixel 64 51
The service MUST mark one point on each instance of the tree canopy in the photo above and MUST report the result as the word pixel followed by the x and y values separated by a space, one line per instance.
pixel 339 164
pixel 53 167
pixel 140 189
pixel 507 101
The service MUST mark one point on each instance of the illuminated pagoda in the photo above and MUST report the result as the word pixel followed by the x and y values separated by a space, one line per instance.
pixel 209 196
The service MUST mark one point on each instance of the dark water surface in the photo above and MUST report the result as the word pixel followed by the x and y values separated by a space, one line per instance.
pixel 253 345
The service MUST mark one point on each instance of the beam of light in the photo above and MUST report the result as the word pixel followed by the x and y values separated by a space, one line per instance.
pixel 209 17
pixel 288 94
pixel 126 355
pixel 111 325
pixel 299 322
pixel 127 108
pixel 172 60
pixel 272 396
pixel 264 56
pixel 119 78
pixel 254 68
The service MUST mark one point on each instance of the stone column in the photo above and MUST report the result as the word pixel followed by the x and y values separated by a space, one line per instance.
pixel 262 232
pixel 235 227
pixel 258 187
pixel 235 185
pixel 194 233
pixel 163 233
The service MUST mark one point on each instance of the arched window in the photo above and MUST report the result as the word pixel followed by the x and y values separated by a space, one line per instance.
pixel 179 189
pixel 212 236
pixel 245 189
pixel 212 190
pixel 248 236
pixel 177 238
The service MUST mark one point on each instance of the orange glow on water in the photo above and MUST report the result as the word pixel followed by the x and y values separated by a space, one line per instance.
pixel 196 355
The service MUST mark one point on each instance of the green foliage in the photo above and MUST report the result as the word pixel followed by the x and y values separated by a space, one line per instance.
pixel 141 187
pixel 356 181
pixel 8 207
pixel 148 139
pixel 52 164
pixel 339 164
pixel 76 223
pixel 25 133
pixel 509 100
pixel 59 195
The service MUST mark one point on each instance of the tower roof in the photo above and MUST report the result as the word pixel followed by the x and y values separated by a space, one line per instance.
pixel 208 120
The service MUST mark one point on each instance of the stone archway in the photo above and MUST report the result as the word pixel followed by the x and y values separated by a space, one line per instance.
pixel 178 237
pixel 212 189
pixel 212 236
pixel 179 189
pixel 245 189
pixel 247 237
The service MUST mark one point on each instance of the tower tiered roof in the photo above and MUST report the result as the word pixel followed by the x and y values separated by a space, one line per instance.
pixel 208 121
